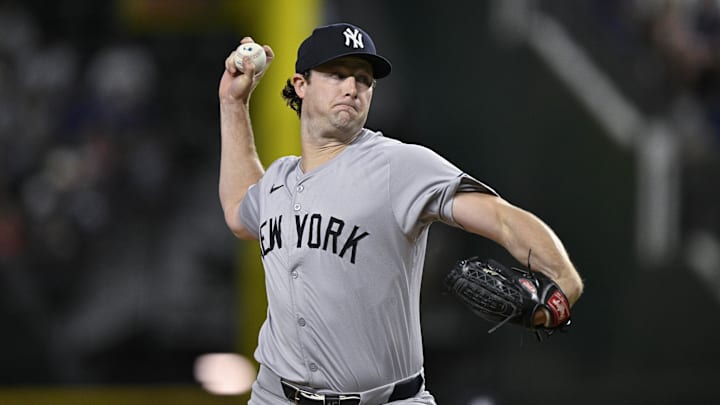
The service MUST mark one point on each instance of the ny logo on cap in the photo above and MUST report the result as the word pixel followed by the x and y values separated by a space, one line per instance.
pixel 355 37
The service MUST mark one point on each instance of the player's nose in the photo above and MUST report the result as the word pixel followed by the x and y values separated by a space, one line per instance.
pixel 349 86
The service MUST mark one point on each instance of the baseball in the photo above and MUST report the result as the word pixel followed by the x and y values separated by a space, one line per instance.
pixel 255 52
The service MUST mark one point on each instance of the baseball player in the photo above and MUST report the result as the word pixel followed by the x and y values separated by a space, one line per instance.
pixel 343 230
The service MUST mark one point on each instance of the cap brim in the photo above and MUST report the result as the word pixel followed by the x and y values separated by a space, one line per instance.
pixel 381 66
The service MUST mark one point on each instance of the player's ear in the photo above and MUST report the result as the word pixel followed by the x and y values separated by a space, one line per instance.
pixel 299 82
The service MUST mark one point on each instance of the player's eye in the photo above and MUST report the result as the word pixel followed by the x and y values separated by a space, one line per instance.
pixel 362 80
pixel 365 81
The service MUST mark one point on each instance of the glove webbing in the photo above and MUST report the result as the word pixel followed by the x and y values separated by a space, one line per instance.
pixel 498 291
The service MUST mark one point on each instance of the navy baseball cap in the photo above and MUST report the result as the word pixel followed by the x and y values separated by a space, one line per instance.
pixel 337 40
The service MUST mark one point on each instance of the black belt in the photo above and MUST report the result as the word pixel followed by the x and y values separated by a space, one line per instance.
pixel 403 390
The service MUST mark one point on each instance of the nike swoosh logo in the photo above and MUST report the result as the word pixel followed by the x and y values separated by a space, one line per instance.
pixel 274 188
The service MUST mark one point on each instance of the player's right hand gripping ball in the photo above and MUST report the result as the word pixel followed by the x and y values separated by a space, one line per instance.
pixel 256 54
pixel 499 294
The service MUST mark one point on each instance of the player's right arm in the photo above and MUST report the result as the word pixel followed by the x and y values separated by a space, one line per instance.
pixel 240 165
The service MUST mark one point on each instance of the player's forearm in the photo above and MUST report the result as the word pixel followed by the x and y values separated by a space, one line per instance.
pixel 534 244
pixel 520 233
pixel 240 166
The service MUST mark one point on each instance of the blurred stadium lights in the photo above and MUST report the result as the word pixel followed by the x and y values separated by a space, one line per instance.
pixel 225 373
pixel 481 400
pixel 658 179
pixel 703 256
pixel 657 196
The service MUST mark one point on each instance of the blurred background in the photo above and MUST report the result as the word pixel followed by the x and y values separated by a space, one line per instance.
pixel 118 276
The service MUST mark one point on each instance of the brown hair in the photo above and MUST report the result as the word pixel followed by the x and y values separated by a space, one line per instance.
pixel 290 96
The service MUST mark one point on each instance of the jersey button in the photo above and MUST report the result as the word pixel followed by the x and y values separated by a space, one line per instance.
pixel 296 207
pixel 294 274
pixel 301 322
pixel 300 188
pixel 313 367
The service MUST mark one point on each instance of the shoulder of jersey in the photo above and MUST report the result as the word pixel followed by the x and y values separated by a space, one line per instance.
pixel 379 139
pixel 283 162
pixel 399 151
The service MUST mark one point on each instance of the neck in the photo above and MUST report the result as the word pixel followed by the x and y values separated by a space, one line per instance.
pixel 316 150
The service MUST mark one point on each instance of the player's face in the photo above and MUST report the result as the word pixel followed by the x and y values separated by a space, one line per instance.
pixel 340 91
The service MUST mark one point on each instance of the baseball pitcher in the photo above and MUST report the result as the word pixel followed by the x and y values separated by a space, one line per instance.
pixel 343 231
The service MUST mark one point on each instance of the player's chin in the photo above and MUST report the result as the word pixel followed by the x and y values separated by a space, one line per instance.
pixel 348 121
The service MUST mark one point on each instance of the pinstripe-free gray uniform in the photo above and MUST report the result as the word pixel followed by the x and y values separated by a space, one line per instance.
pixel 343 248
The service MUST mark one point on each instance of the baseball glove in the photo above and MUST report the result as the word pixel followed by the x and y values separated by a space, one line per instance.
pixel 499 294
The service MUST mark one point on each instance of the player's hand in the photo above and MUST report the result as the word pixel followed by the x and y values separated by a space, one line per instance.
pixel 540 318
pixel 236 86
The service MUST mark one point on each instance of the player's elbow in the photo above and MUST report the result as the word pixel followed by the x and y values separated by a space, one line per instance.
pixel 240 231
pixel 243 233
pixel 232 220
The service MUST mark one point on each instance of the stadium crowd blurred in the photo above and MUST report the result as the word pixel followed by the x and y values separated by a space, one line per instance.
pixel 97 174
pixel 80 148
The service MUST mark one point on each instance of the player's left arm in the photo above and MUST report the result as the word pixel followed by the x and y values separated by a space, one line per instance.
pixel 519 232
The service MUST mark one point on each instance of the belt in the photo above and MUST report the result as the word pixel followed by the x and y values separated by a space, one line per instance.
pixel 402 390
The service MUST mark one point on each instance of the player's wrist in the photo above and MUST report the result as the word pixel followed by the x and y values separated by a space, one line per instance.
pixel 230 103
pixel 571 287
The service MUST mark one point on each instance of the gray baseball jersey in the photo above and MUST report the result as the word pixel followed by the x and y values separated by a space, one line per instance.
pixel 343 248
